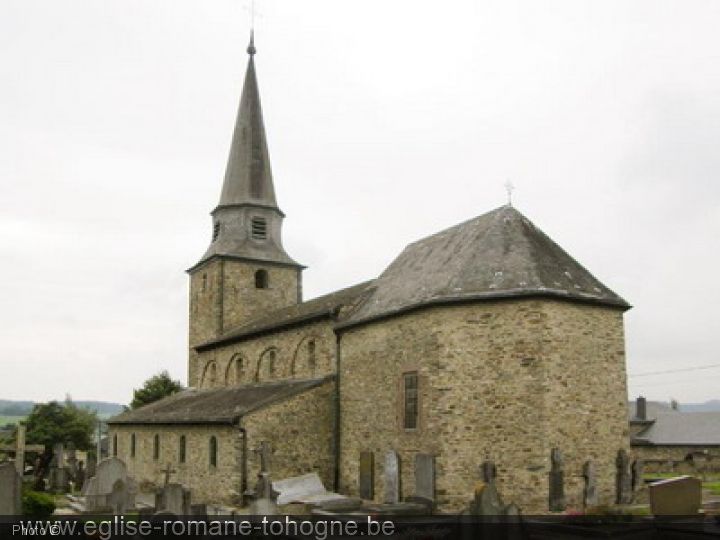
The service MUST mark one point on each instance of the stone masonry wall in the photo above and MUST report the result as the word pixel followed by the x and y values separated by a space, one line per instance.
pixel 248 361
pixel 586 401
pixel 223 296
pixel 489 389
pixel 209 484
pixel 300 434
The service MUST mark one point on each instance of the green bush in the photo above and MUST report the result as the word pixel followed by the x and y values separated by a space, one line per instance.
pixel 36 503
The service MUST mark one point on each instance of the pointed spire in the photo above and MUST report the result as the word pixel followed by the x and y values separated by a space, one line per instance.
pixel 248 176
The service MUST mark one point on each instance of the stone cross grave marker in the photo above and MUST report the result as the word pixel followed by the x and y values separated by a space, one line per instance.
pixel 425 476
pixel 392 477
pixel 10 488
pixel 168 471
pixel 590 497
pixel 623 480
pixel 367 475
pixel 557 482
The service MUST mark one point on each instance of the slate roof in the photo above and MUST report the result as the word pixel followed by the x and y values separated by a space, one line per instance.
pixel 500 254
pixel 218 405
pixel 318 308
pixel 679 428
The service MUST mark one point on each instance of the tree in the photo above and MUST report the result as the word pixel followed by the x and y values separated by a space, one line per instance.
pixel 155 388
pixel 52 423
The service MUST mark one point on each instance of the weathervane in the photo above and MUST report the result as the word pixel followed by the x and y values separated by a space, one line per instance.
pixel 509 188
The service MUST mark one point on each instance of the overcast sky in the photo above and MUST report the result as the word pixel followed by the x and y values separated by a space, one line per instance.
pixel 387 121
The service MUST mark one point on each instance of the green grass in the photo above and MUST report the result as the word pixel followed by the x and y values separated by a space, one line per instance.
pixel 714 487
pixel 10 419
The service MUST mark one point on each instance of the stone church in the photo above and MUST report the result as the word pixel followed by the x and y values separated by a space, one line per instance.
pixel 483 341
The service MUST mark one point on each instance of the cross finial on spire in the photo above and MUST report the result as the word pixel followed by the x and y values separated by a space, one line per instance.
pixel 509 188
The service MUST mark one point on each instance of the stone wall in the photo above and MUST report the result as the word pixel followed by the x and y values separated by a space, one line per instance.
pixel 248 361
pixel 298 429
pixel 223 295
pixel 505 381
pixel 210 484
pixel 679 459
pixel 300 433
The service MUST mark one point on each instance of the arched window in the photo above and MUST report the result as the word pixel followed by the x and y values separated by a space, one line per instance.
pixel 209 379
pixel 132 445
pixel 181 449
pixel 156 447
pixel 213 450
pixel 115 446
pixel 261 279
pixel 204 282
pixel 410 398
pixel 268 365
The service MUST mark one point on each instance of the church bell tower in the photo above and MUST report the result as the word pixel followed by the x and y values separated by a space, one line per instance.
pixel 245 272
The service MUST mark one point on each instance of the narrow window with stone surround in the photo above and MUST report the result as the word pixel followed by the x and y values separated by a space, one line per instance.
pixel 213 450
pixel 181 449
pixel 115 446
pixel 156 447
pixel 311 356
pixel 261 279
pixel 410 399
pixel 132 445
pixel 258 228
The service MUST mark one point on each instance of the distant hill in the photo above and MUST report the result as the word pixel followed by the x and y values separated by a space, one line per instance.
pixel 23 408
pixel 708 406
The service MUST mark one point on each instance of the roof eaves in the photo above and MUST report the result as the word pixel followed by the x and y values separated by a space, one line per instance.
pixel 480 297
pixel 265 329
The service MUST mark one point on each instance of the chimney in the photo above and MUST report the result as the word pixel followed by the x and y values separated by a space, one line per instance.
pixel 641 408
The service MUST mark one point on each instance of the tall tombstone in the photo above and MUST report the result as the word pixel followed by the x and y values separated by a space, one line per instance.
pixel 91 465
pixel 392 477
pixel 10 488
pixel 367 475
pixel 590 497
pixel 623 478
pixel 488 471
pixel 425 476
pixel 557 482
pixel 58 459
pixel 20 449
pixel 71 460
pixel 637 474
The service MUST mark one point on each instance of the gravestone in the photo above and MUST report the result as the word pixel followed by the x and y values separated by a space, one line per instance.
pixel 623 478
pixel 557 482
pixel 111 488
pixel 590 497
pixel 392 477
pixel 71 460
pixel 80 475
pixel 173 497
pixel 486 500
pixel 265 502
pixel 425 476
pixel 10 490
pixel 20 449
pixel 367 475
pixel 637 474
pixel 488 471
pixel 91 466
pixel 681 496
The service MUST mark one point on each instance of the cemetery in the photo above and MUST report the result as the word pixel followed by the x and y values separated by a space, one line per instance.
pixel 642 502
